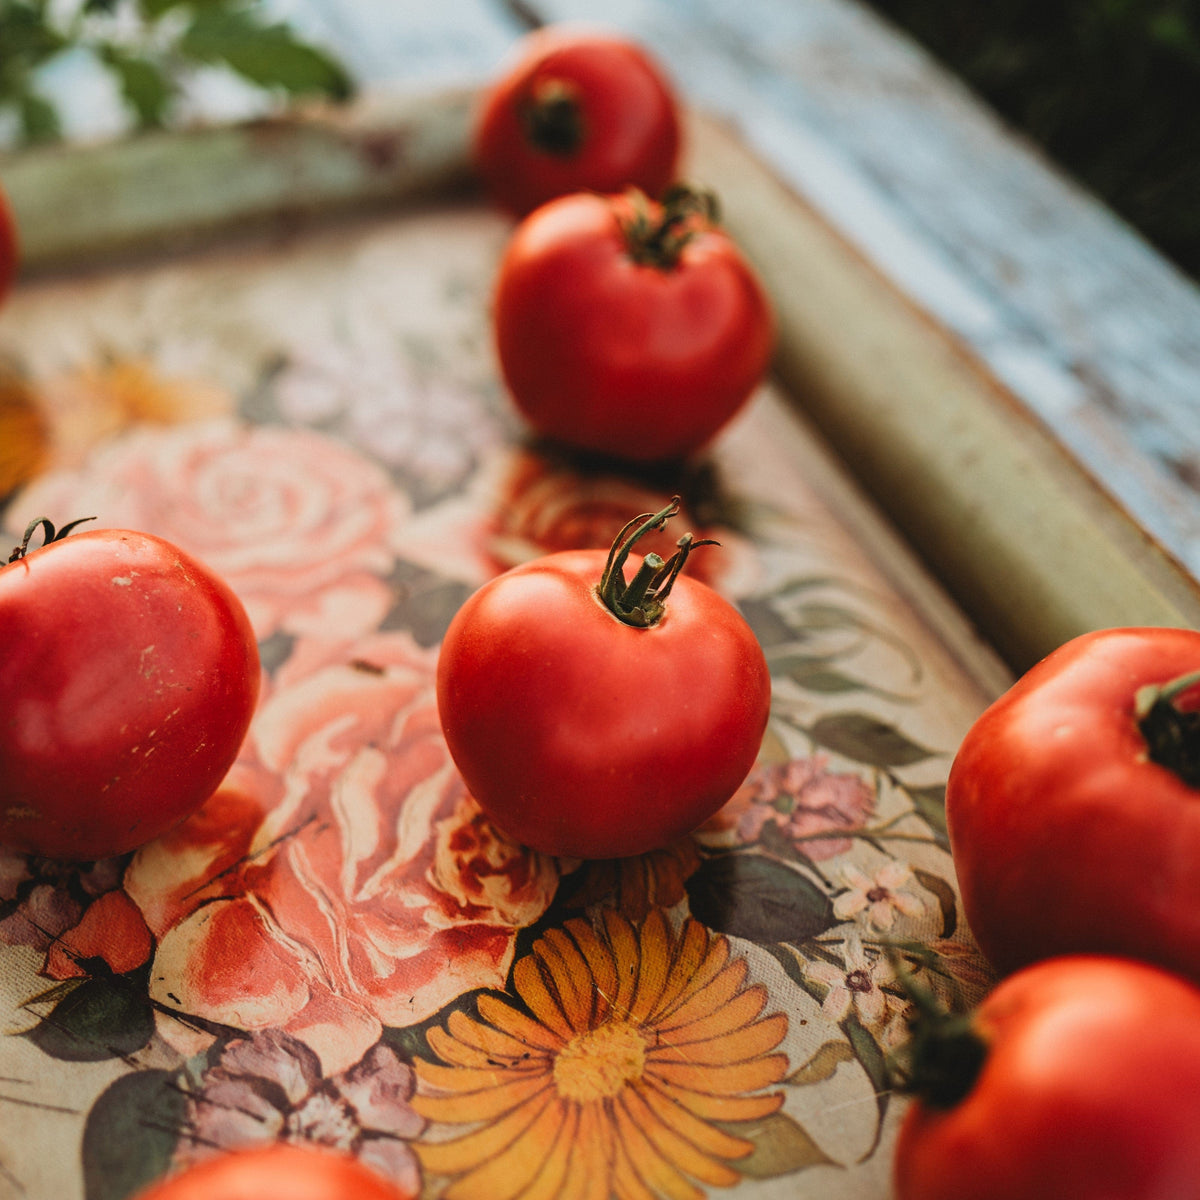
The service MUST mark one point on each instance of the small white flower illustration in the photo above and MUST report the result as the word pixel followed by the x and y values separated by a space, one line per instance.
pixel 857 983
pixel 879 896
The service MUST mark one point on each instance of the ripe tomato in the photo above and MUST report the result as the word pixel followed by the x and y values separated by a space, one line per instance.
pixel 599 721
pixel 1078 1077
pixel 128 679
pixel 627 327
pixel 1074 815
pixel 278 1171
pixel 576 111
pixel 8 246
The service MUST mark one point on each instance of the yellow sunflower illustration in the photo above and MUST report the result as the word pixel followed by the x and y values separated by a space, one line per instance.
pixel 637 1049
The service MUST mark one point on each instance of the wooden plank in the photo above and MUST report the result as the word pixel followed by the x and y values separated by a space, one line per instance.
pixel 1032 548
pixel 76 204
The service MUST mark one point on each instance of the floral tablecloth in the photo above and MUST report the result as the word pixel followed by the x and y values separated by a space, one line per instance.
pixel 338 947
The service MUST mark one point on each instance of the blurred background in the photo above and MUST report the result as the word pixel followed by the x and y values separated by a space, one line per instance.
pixel 1109 88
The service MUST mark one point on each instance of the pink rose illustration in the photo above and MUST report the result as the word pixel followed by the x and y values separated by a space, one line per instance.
pixel 341 880
pixel 300 525
pixel 804 802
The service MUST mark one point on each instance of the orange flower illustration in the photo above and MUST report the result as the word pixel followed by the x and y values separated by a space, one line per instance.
pixel 635 1048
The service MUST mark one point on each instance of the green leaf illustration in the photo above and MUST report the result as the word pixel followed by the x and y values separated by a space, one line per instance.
pixel 867 739
pixel 103 1017
pixel 930 805
pixel 781 1147
pixel 130 1134
pixel 822 1065
pixel 769 627
pixel 758 898
pixel 874 1063
pixel 946 899
pixel 268 55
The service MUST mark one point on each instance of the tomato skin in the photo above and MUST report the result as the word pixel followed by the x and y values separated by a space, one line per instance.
pixel 582 736
pixel 128 681
pixel 1065 837
pixel 625 358
pixel 1090 1090
pixel 8 247
pixel 630 132
pixel 279 1171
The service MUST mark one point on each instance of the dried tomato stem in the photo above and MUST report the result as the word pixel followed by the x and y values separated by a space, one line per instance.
pixel 553 119
pixel 1172 734
pixel 946 1053
pixel 658 242
pixel 641 601
pixel 48 534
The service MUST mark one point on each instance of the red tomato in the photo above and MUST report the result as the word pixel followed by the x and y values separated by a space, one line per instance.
pixel 1075 822
pixel 576 111
pixel 8 246
pixel 278 1171
pixel 127 683
pixel 627 327
pixel 1088 1089
pixel 599 722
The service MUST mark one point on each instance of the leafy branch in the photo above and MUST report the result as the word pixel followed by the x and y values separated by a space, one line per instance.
pixel 151 47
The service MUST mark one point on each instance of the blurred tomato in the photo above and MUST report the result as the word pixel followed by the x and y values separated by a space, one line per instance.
pixel 278 1171
pixel 577 110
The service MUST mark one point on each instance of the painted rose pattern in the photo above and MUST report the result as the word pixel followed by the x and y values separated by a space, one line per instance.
pixel 302 527
pixel 342 880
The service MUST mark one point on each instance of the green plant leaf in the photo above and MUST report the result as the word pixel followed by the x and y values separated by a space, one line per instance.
pixel 268 55
pixel 151 10
pixel 39 119
pixel 867 739
pixel 758 898
pixel 822 1065
pixel 25 38
pixel 146 89
pixel 781 1147
pixel 106 1016
pixel 130 1134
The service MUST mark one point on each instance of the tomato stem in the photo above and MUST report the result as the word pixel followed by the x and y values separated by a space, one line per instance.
pixel 642 601
pixel 49 534
pixel 1172 734
pixel 552 118
pixel 657 239
pixel 946 1053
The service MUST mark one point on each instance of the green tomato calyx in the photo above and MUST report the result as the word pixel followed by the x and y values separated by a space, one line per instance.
pixel 1172 734
pixel 552 118
pixel 49 534
pixel 946 1054
pixel 655 235
pixel 641 601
